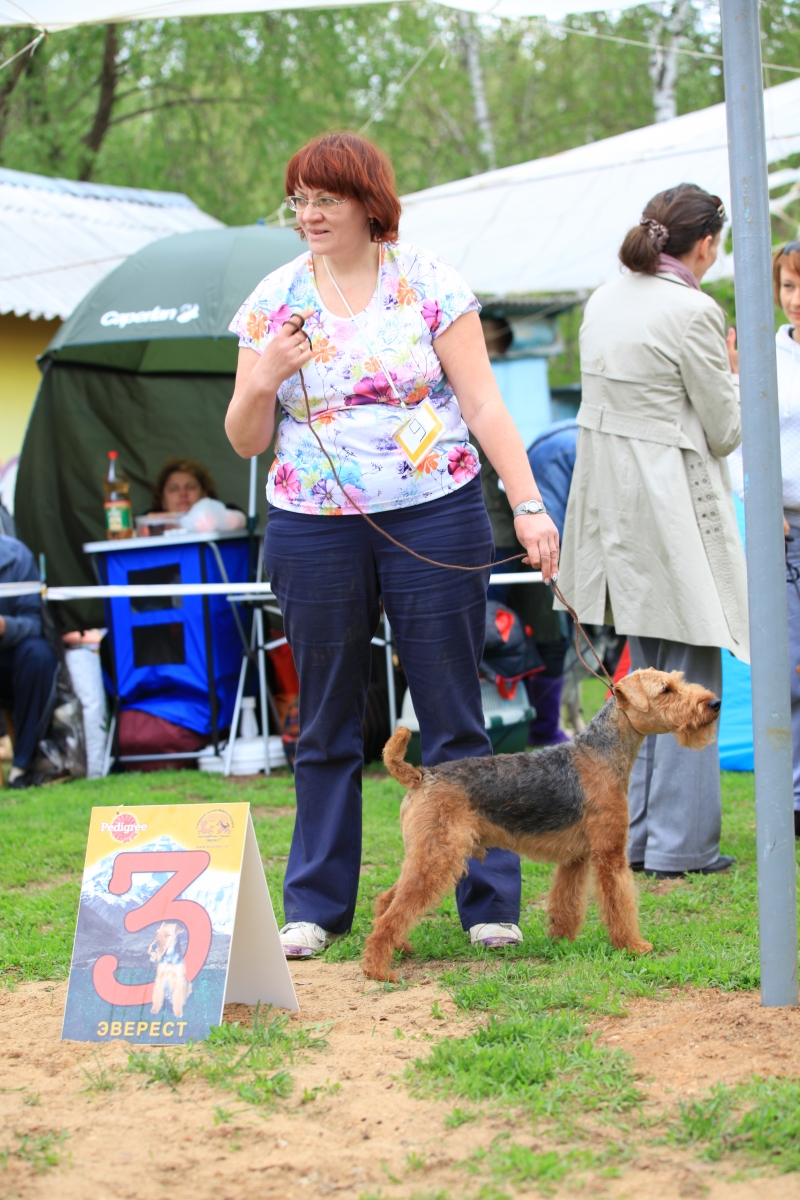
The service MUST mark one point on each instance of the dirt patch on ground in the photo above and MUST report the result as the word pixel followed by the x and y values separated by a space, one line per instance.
pixel 262 812
pixel 692 1039
pixel 367 1137
pixel 45 885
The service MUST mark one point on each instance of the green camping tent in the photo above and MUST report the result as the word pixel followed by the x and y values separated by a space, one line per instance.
pixel 145 366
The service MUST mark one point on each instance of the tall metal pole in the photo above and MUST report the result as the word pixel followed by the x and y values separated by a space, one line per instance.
pixel 772 730
pixel 252 512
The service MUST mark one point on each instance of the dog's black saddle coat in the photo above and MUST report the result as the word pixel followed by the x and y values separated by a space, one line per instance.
pixel 534 793
pixel 524 793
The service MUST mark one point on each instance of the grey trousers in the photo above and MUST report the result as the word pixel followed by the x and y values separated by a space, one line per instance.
pixel 675 799
pixel 793 603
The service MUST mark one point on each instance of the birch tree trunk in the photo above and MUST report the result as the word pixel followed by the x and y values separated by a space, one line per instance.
pixel 672 20
pixel 479 103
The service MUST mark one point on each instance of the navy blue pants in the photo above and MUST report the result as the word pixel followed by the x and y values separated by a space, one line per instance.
pixel 329 574
pixel 26 683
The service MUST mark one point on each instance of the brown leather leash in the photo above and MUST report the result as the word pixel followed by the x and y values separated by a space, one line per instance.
pixel 450 566
pixel 351 500
pixel 559 595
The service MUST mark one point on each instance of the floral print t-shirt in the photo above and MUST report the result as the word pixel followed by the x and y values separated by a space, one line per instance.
pixel 354 408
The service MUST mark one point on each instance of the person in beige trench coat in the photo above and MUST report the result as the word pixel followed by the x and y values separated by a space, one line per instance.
pixel 650 527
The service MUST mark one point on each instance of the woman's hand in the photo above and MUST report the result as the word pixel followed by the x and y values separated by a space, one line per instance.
pixel 286 352
pixel 733 353
pixel 250 421
pixel 539 536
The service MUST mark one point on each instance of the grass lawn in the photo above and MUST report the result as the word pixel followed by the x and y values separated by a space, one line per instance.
pixel 533 1053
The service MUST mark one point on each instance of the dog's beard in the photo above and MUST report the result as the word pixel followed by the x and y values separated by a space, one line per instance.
pixel 696 736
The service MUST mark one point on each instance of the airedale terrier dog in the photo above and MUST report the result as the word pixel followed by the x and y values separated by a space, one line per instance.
pixel 171 982
pixel 566 804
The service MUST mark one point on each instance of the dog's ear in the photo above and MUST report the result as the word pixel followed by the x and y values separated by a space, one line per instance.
pixel 631 694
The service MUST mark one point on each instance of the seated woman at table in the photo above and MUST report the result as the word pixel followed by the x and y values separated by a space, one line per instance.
pixel 180 484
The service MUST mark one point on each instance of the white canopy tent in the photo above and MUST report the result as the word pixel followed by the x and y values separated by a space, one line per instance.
pixel 555 224
pixel 551 202
pixel 62 14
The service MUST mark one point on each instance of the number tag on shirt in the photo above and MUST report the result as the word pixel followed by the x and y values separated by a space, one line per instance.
pixel 419 432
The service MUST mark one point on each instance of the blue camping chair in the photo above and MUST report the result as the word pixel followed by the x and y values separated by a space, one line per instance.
pixel 175 657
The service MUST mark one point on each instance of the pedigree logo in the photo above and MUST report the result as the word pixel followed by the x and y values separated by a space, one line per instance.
pixel 123 828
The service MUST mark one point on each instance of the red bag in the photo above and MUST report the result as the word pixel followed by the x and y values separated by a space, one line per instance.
pixel 142 733
pixel 286 681
pixel 623 666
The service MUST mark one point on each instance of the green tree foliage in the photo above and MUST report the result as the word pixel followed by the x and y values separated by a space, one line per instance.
pixel 215 106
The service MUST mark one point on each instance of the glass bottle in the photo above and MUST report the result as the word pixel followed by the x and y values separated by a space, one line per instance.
pixel 118 511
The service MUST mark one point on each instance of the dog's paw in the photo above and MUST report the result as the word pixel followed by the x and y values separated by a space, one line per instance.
pixel 406 948
pixel 640 947
pixel 382 976
pixel 557 932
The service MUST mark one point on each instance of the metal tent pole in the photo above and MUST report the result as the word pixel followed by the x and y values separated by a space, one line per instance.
pixel 390 688
pixel 772 730
pixel 252 514
pixel 258 627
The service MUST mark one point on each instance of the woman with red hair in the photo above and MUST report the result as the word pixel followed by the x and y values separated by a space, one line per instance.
pixel 366 354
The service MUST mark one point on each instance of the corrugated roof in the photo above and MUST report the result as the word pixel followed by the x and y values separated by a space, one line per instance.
pixel 59 237
pixel 519 306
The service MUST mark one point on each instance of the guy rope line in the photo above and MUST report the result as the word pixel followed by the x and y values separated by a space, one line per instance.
pixel 30 46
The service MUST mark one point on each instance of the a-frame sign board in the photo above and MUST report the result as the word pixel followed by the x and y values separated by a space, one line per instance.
pixel 175 921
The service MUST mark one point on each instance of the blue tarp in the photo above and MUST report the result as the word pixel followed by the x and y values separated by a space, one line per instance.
pixel 736 721
pixel 159 643
pixel 526 394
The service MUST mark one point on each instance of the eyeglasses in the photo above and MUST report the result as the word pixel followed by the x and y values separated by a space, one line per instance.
pixel 325 203
pixel 790 247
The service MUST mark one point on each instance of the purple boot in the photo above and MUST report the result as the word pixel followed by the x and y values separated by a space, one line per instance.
pixel 545 696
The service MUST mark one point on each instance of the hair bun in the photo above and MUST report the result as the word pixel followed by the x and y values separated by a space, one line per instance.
pixel 658 233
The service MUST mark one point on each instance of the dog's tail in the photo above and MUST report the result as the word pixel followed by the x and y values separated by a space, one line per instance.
pixel 394 758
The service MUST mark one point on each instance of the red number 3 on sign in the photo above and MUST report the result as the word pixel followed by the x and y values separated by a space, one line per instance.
pixel 187 866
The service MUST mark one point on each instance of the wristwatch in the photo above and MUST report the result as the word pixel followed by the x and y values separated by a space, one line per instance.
pixel 530 508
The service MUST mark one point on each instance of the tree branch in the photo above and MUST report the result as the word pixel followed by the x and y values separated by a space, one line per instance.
pixel 151 108
pixel 10 78
pixel 105 103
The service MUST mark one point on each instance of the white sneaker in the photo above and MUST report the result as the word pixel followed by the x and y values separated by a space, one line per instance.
pixel 491 936
pixel 303 939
